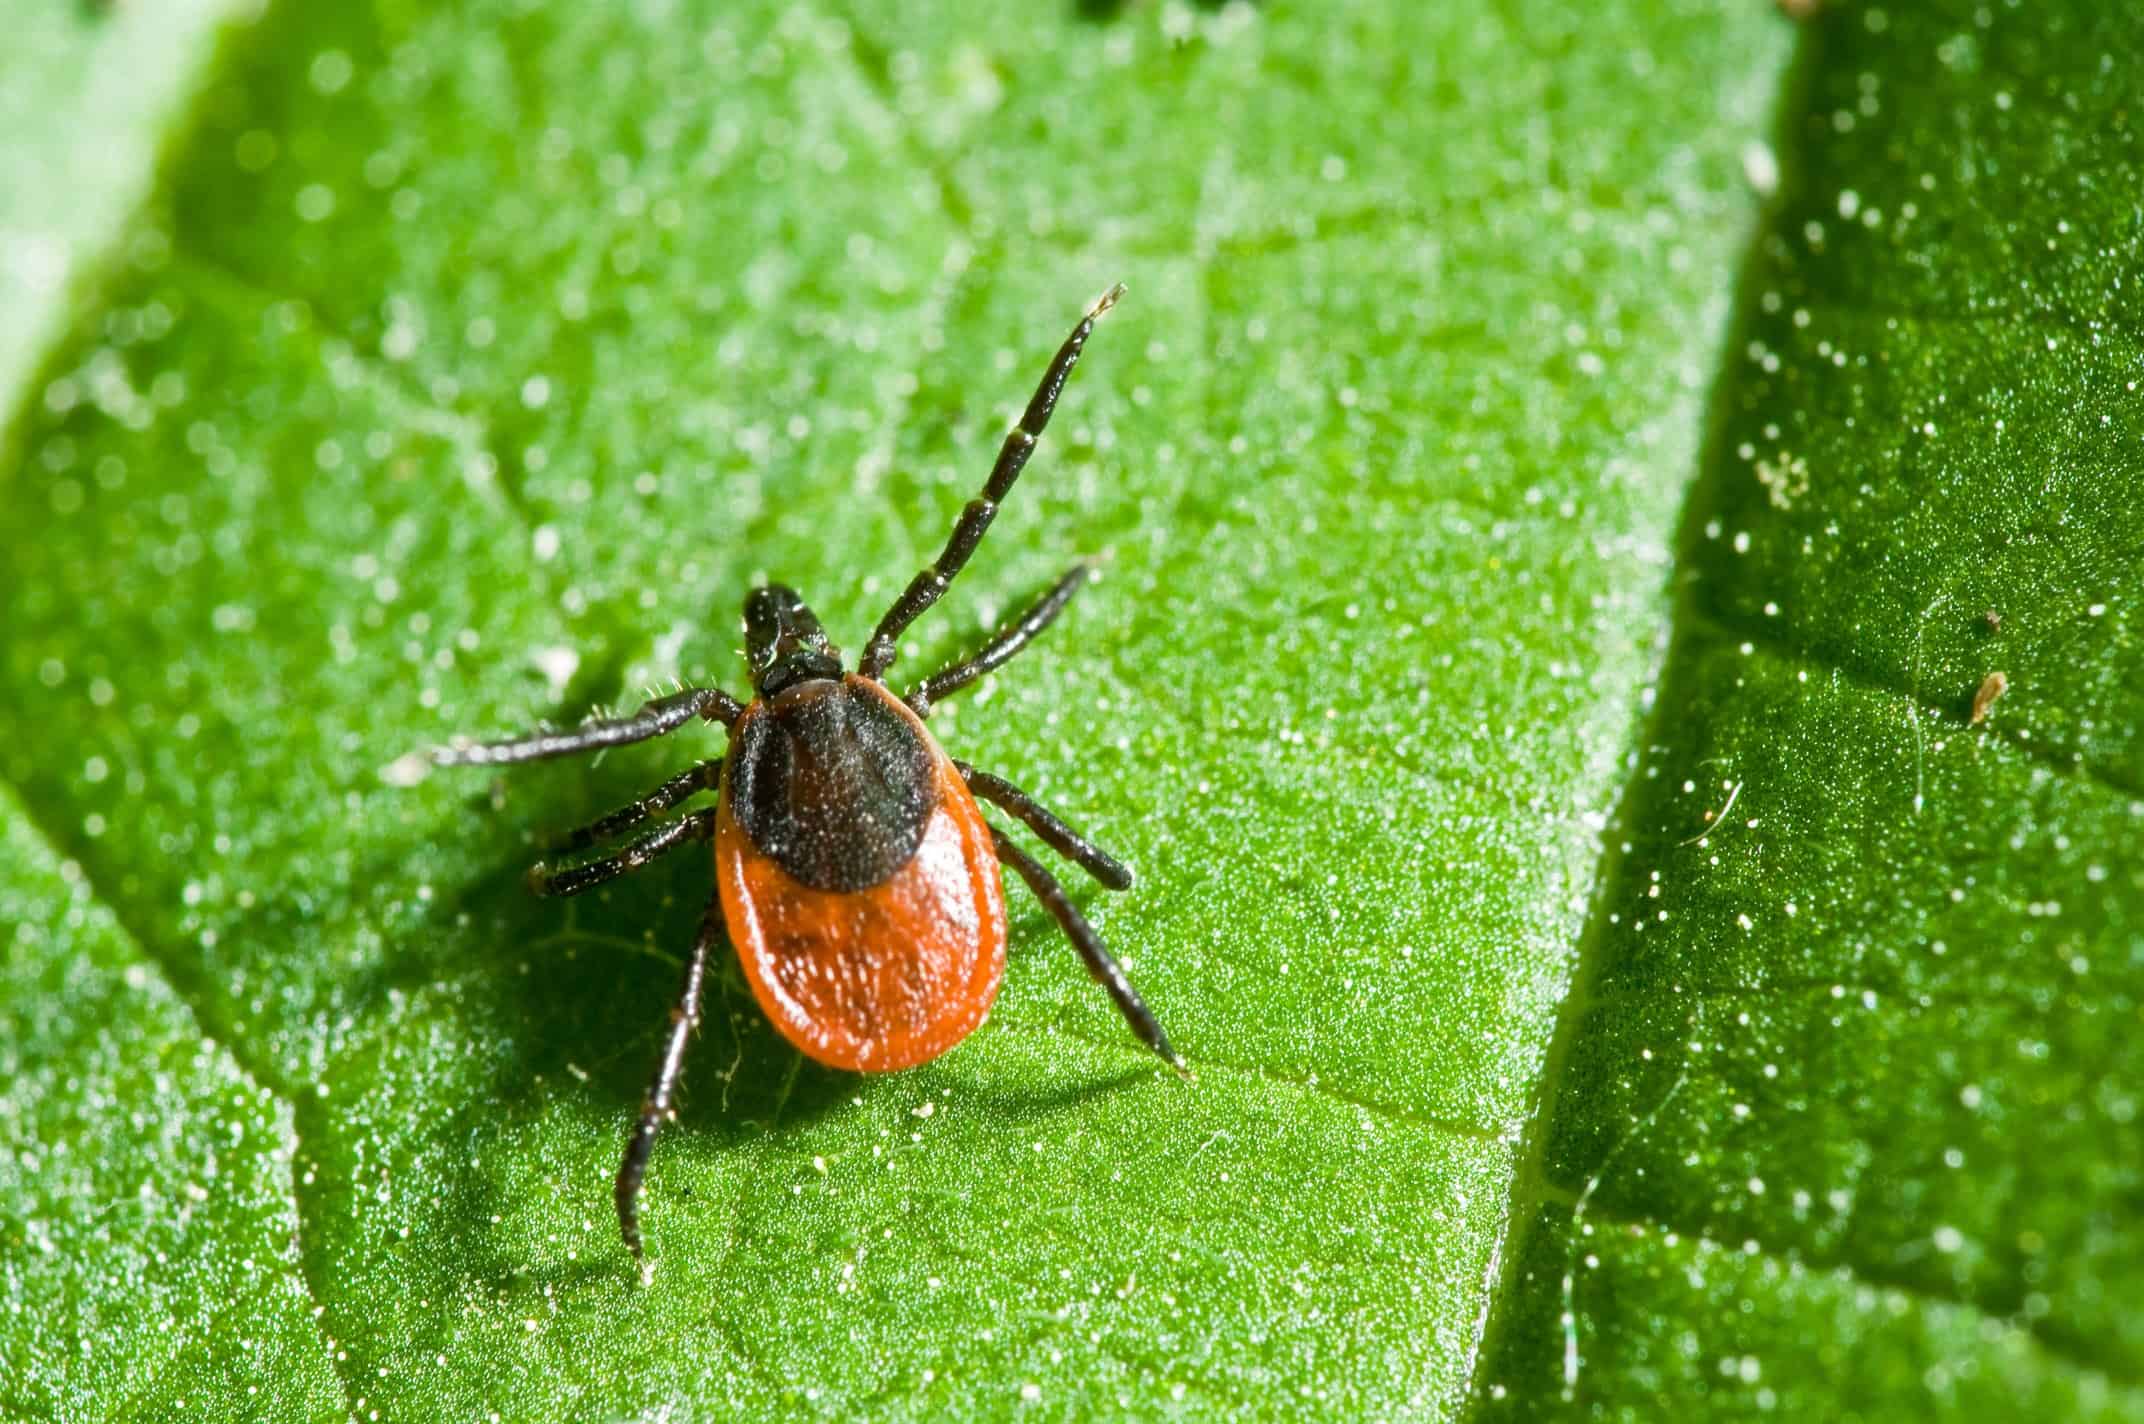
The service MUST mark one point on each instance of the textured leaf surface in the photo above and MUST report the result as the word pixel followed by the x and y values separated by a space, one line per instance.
pixel 85 101
pixel 1843 1109
pixel 148 1224
pixel 470 366
pixel 145 1177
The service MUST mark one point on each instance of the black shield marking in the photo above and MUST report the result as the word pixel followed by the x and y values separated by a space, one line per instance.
pixel 834 784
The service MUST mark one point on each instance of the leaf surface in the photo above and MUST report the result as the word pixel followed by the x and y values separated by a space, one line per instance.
pixel 1842 1108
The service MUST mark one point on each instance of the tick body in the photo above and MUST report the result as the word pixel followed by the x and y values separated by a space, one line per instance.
pixel 856 873
pixel 844 832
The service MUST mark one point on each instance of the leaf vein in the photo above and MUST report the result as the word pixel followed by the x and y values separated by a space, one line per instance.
pixel 1308 1084
pixel 2059 1347
pixel 241 297
pixel 1776 641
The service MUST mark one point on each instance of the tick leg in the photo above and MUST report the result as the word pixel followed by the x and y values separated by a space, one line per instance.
pixel 1091 949
pixel 704 777
pixel 655 1109
pixel 664 714
pixel 699 826
pixel 926 588
pixel 1058 836
pixel 1009 641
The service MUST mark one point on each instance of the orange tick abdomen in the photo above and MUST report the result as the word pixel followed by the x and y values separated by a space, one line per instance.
pixel 871 977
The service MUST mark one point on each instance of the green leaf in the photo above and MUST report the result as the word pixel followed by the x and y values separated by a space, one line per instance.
pixel 470 365
pixel 147 1187
pixel 1841 1116
pixel 86 100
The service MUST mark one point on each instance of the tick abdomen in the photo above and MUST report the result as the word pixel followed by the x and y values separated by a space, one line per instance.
pixel 880 979
pixel 862 894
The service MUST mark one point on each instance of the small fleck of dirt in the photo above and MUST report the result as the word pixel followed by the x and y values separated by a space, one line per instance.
pixel 1992 686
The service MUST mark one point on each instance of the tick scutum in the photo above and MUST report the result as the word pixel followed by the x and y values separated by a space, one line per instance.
pixel 832 782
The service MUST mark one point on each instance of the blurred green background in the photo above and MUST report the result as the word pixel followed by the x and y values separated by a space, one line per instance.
pixel 1560 475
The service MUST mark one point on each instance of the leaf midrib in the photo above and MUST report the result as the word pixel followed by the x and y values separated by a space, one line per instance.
pixel 1532 1187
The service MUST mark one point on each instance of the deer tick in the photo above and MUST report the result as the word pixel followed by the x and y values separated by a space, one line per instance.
pixel 855 873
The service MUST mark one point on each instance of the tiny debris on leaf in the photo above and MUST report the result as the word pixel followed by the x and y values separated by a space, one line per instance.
pixel 1992 620
pixel 407 770
pixel 1992 686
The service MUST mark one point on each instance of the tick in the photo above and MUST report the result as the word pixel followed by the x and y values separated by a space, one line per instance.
pixel 854 871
